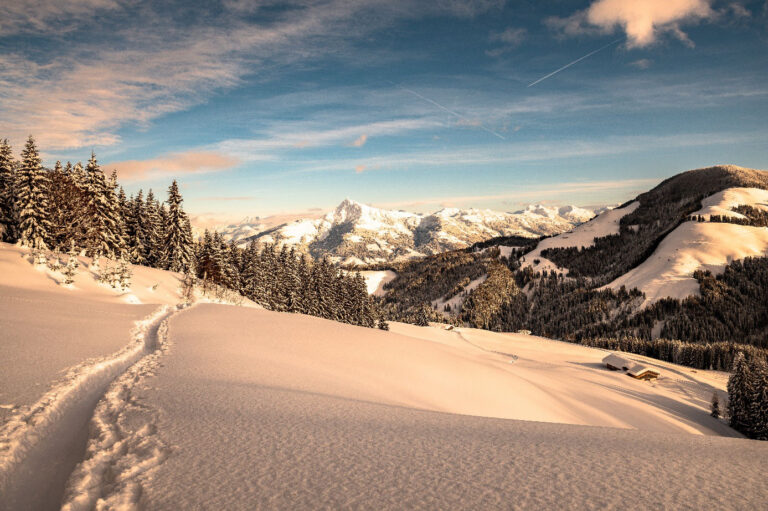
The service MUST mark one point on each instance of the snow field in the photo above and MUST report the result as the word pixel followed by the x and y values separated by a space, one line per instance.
pixel 292 411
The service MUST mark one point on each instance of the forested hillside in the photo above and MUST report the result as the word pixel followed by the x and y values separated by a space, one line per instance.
pixel 661 210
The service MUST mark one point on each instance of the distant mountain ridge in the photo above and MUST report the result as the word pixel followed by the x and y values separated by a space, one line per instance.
pixel 355 233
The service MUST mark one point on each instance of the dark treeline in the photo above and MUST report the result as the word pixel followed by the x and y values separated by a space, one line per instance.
pixel 282 281
pixel 716 355
pixel 76 208
pixel 753 217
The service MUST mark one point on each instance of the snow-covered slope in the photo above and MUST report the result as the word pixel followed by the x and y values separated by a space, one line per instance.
pixel 722 203
pixel 583 235
pixel 297 412
pixel 355 233
pixel 692 246
pixel 668 272
pixel 224 407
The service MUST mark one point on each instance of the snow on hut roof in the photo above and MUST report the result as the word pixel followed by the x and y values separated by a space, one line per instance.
pixel 615 361
pixel 639 370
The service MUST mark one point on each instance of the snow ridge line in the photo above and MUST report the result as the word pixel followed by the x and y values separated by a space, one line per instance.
pixel 119 453
pixel 24 438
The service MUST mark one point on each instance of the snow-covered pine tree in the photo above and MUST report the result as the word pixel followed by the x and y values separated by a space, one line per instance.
pixel 758 406
pixel 103 232
pixel 153 231
pixel 739 393
pixel 79 176
pixel 124 274
pixel 115 211
pixel 32 199
pixel 233 266
pixel 8 217
pixel 136 221
pixel 60 207
pixel 249 279
pixel 72 264
pixel 177 255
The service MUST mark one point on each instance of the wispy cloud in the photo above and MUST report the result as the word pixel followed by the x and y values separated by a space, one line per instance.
pixel 508 40
pixel 228 199
pixel 190 162
pixel 641 63
pixel 306 134
pixel 450 111
pixel 527 152
pixel 50 15
pixel 539 194
pixel 82 95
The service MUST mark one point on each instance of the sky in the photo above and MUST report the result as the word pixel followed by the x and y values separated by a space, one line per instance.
pixel 284 108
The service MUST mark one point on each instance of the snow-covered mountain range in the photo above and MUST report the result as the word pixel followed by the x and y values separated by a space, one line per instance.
pixel 355 233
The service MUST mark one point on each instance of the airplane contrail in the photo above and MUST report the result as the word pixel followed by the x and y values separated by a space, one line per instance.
pixel 574 62
pixel 446 109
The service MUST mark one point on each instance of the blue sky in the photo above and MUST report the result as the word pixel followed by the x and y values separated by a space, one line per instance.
pixel 263 108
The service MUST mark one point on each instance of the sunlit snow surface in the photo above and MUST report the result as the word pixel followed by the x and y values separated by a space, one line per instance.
pixel 240 408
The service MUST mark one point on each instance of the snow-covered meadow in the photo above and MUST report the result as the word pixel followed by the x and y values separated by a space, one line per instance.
pixel 124 399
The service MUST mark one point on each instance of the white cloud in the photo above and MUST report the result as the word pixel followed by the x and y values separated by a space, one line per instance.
pixel 641 20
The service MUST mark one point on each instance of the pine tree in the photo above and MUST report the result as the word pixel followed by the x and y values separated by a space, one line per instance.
pixel 72 264
pixel 758 406
pixel 153 232
pixel 739 393
pixel 103 232
pixel 124 274
pixel 136 220
pixel 178 243
pixel 32 199
pixel 8 217
pixel 715 408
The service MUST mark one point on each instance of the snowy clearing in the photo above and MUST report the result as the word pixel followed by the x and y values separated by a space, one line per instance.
pixel 582 236
pixel 723 202
pixel 375 280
